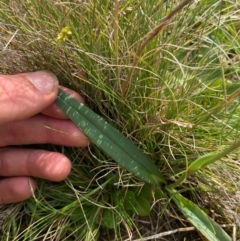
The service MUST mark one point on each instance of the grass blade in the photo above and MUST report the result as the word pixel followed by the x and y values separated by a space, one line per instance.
pixel 210 158
pixel 203 161
pixel 205 225
pixel 110 140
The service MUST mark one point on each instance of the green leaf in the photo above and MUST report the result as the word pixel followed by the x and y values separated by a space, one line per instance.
pixel 129 200
pixel 201 162
pixel 110 140
pixel 209 158
pixel 205 225
pixel 145 191
pixel 110 219
pixel 79 213
pixel 232 87
pixel 142 207
pixel 139 204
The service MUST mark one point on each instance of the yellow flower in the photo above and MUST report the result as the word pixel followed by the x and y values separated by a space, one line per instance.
pixel 64 34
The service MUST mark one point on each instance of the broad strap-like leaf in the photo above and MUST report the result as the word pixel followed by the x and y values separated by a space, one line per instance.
pixel 201 162
pixel 199 219
pixel 210 158
pixel 110 140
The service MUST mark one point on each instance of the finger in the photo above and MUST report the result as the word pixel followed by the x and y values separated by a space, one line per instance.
pixel 16 189
pixel 43 164
pixel 42 129
pixel 54 111
pixel 25 95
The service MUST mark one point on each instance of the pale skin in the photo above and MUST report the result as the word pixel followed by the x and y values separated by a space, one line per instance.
pixel 28 115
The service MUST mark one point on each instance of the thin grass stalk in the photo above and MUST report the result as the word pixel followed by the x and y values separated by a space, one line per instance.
pixel 147 38
pixel 216 109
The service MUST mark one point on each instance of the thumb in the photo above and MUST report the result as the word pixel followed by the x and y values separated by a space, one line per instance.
pixel 24 95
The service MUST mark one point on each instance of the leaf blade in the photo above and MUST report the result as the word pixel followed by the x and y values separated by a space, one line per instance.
pixel 201 162
pixel 110 140
pixel 209 228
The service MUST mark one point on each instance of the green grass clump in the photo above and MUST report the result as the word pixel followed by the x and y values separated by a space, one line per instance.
pixel 170 86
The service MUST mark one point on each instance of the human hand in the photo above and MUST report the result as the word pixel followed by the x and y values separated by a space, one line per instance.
pixel 29 116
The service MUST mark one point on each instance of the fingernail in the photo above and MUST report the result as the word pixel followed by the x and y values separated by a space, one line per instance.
pixel 44 81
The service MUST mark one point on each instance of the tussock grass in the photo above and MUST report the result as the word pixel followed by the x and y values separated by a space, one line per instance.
pixel 175 96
